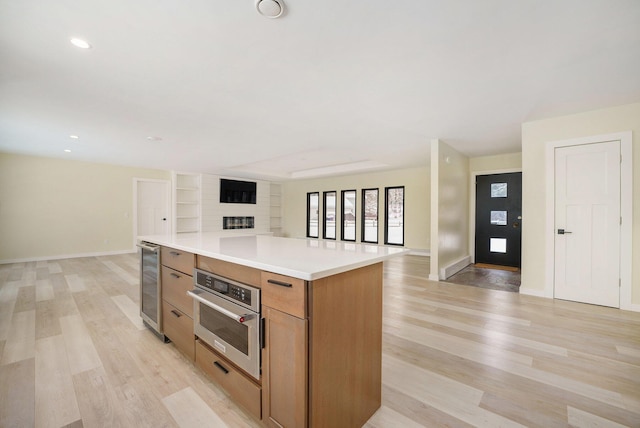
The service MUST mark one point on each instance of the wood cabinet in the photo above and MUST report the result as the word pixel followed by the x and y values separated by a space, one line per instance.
pixel 322 361
pixel 284 369
pixel 179 260
pixel 177 306
pixel 285 354
pixel 240 387
pixel 179 328
pixel 322 350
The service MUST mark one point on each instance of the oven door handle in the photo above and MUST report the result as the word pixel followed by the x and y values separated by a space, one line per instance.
pixel 240 318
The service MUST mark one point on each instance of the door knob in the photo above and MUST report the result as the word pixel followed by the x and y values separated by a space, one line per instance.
pixel 563 232
pixel 164 219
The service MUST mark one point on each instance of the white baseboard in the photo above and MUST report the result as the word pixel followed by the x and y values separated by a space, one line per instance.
pixel 434 277
pixel 67 256
pixel 533 292
pixel 632 307
pixel 454 267
pixel 423 253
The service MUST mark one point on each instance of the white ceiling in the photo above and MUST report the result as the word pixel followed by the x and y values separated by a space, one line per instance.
pixel 331 82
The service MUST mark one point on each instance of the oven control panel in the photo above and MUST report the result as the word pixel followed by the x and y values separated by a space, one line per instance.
pixel 240 294
pixel 229 289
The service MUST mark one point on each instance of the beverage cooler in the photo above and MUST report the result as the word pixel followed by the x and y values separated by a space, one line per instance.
pixel 150 291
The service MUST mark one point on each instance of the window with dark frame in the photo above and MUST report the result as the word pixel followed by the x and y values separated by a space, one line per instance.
pixel 329 217
pixel 313 205
pixel 369 220
pixel 394 215
pixel 348 224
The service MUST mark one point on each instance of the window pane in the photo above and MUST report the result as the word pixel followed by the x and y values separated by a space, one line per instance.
pixel 348 215
pixel 498 190
pixel 313 200
pixel 498 245
pixel 499 218
pixel 370 215
pixel 394 213
pixel 329 215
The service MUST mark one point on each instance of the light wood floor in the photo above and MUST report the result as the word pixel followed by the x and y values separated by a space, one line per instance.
pixel 73 352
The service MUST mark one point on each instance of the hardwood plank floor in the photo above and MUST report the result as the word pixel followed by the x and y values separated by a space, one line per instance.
pixel 73 353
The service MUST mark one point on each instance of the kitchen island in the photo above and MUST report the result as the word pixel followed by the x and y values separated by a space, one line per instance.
pixel 321 329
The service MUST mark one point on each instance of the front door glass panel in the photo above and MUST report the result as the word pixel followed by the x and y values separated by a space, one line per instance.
pixel 498 245
pixel 499 218
pixel 498 190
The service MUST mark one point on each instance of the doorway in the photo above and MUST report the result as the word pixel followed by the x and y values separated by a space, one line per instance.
pixel 498 220
pixel 151 207
pixel 587 223
pixel 589 220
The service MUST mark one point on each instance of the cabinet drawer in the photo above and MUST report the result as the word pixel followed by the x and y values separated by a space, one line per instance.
pixel 284 293
pixel 182 261
pixel 175 285
pixel 234 271
pixel 242 389
pixel 179 328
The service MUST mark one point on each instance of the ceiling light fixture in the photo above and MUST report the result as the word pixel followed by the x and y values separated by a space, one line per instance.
pixel 154 138
pixel 67 150
pixel 74 137
pixel 79 43
pixel 270 8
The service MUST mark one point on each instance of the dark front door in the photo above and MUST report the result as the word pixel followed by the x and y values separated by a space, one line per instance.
pixel 499 219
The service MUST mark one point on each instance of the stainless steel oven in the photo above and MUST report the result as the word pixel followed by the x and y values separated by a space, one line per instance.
pixel 227 317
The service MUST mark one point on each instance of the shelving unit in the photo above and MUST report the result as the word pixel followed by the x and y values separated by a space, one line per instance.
pixel 186 196
pixel 275 209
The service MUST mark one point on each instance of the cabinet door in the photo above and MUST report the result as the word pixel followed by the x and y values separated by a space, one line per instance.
pixel 284 370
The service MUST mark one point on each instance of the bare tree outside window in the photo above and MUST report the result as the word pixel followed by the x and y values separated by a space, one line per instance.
pixel 329 222
pixel 370 215
pixel 394 215
pixel 348 228
pixel 313 203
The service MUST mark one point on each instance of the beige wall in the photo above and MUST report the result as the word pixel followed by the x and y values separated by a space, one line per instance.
pixel 535 135
pixel 509 161
pixel 53 207
pixel 416 216
pixel 450 206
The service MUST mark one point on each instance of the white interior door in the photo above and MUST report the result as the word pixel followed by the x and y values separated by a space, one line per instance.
pixel 152 207
pixel 587 223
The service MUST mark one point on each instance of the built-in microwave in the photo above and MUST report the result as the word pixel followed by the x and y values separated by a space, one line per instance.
pixel 227 317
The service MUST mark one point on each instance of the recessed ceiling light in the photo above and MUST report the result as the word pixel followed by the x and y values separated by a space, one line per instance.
pixel 67 150
pixel 75 137
pixel 79 43
pixel 154 138
pixel 270 8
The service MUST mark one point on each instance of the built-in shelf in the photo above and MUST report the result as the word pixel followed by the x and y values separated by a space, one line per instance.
pixel 275 209
pixel 186 196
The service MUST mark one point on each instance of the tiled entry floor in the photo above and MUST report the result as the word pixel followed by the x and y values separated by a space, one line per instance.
pixel 495 279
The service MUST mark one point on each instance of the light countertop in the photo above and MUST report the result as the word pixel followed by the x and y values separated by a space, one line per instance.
pixel 307 259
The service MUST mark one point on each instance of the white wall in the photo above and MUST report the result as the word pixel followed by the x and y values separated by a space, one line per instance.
pixel 450 206
pixel 535 135
pixel 55 208
pixel 417 196
pixel 213 211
